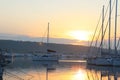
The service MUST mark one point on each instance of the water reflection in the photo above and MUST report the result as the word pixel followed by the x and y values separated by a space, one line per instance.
pixel 50 66
pixel 26 69
pixel 80 75
pixel 104 72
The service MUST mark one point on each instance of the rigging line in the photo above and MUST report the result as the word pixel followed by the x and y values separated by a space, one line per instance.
pixel 31 76
pixel 27 74
pixel 104 34
pixel 95 33
pixel 106 25
pixel 108 8
pixel 44 35
pixel 105 18
pixel 106 11
pixel 104 30
pixel 13 75
pixel 98 36
pixel 97 40
pixel 97 26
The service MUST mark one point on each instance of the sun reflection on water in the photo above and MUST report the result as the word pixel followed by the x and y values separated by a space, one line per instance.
pixel 80 75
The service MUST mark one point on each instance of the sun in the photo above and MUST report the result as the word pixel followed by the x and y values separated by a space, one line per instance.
pixel 80 35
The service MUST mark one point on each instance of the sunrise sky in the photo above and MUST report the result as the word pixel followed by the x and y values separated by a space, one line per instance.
pixel 69 19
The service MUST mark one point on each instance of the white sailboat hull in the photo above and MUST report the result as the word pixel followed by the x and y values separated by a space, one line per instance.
pixel 104 61
pixel 45 57
pixel 100 61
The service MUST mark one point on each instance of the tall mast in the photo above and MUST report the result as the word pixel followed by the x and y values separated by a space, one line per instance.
pixel 109 27
pixel 48 34
pixel 115 26
pixel 102 28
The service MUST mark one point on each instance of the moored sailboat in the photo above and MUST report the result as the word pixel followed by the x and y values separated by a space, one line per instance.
pixel 50 55
pixel 107 59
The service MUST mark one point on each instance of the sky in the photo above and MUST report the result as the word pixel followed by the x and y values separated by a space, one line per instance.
pixel 69 19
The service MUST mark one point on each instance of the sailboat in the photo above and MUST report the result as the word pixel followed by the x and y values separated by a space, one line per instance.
pixel 107 59
pixel 50 55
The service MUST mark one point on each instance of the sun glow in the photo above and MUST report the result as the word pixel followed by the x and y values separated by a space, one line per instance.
pixel 80 35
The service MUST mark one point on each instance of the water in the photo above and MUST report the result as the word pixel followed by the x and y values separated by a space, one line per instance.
pixel 26 69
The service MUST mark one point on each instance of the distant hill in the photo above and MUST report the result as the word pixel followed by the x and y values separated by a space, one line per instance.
pixel 30 47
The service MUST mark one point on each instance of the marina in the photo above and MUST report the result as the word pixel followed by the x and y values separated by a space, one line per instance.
pixel 69 49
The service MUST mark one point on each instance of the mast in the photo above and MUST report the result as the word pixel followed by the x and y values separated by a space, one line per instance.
pixel 109 27
pixel 48 34
pixel 102 28
pixel 115 26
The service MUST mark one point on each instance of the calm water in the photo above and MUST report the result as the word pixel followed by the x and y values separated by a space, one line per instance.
pixel 26 69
